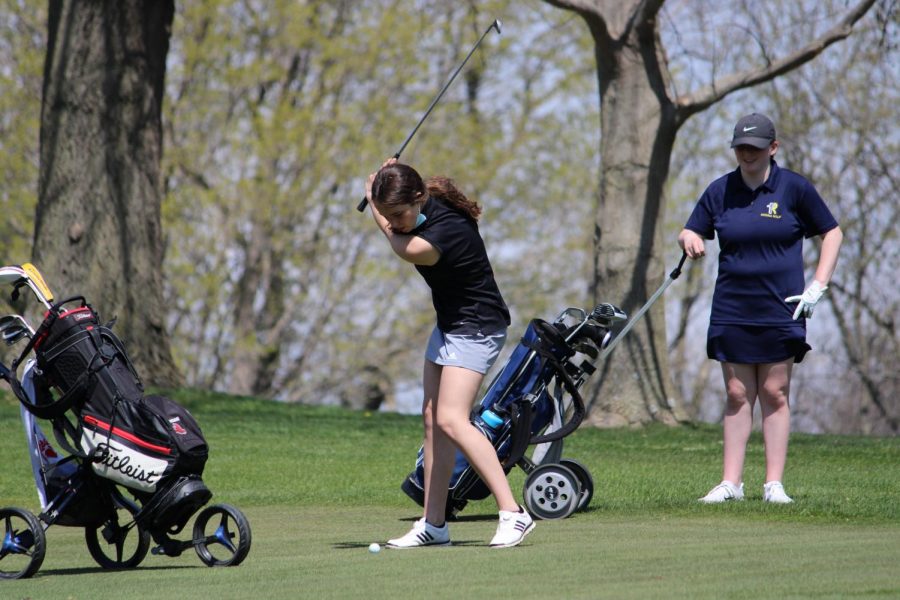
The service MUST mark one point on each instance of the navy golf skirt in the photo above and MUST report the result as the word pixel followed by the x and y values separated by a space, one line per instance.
pixel 750 344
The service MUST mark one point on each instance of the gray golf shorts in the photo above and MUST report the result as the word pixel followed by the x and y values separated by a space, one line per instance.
pixel 476 352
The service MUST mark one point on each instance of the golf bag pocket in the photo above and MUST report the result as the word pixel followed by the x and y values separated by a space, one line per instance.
pixel 144 442
pixel 183 432
pixel 122 456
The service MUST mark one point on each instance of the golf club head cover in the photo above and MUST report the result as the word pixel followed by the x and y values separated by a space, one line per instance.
pixel 807 300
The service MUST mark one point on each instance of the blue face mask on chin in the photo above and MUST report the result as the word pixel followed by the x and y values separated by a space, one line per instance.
pixel 419 220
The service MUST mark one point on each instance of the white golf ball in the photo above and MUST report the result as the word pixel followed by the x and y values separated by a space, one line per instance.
pixel 374 548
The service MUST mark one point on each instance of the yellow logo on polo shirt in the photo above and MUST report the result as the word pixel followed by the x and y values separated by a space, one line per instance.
pixel 772 207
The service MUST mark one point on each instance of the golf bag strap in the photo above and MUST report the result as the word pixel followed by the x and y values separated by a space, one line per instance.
pixel 552 335
pixel 577 404
pixel 549 335
pixel 83 387
pixel 10 378
pixel 38 336
pixel 107 334
pixel 520 432
pixel 63 431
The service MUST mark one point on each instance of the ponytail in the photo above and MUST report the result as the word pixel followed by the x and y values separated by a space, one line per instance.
pixel 443 187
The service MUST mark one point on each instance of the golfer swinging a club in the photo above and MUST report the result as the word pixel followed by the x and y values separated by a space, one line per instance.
pixel 435 227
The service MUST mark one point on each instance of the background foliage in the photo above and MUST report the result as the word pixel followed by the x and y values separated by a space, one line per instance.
pixel 277 111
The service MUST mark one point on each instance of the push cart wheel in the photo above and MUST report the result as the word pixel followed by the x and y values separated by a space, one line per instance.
pixel 551 491
pixel 584 478
pixel 116 546
pixel 23 543
pixel 222 536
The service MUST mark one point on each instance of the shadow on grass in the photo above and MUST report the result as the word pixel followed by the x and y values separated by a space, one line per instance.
pixel 96 570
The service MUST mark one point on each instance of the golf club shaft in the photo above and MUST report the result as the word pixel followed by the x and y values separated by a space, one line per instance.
pixel 495 25
pixel 676 272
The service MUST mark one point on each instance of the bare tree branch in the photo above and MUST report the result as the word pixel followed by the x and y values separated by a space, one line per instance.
pixel 711 94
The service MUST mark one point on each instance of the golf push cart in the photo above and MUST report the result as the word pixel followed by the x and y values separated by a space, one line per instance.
pixel 134 464
pixel 534 401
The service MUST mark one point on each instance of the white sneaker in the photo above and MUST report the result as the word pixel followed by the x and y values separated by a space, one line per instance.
pixel 422 533
pixel 512 528
pixel 723 492
pixel 774 492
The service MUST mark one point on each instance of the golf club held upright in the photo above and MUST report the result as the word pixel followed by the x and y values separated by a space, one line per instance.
pixel 496 26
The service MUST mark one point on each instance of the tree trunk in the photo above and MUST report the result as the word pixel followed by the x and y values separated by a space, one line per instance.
pixel 639 126
pixel 98 223
pixel 639 121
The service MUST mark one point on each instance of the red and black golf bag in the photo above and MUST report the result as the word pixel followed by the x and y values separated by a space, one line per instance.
pixel 88 388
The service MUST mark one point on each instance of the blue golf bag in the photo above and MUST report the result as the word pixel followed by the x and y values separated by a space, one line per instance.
pixel 534 400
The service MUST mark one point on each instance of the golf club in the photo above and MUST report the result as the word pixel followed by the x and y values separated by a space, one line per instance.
pixel 37 284
pixel 495 25
pixel 676 272
pixel 11 274
pixel 608 314
pixel 13 328
pixel 28 275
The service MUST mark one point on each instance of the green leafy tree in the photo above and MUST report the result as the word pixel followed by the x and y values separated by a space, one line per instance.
pixel 275 117
pixel 21 52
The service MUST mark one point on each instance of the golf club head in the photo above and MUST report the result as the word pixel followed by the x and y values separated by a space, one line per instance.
pixel 28 275
pixel 11 336
pixel 13 328
pixel 496 25
pixel 608 315
pixel 7 321
pixel 11 274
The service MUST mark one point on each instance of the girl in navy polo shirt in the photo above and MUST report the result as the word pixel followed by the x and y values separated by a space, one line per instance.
pixel 761 213
pixel 434 226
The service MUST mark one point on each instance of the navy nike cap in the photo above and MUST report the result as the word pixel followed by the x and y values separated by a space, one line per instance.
pixel 754 130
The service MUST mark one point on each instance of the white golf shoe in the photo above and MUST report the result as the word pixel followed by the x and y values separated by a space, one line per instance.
pixel 512 528
pixel 422 534
pixel 774 492
pixel 724 492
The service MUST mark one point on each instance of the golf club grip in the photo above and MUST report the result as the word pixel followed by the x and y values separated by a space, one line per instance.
pixel 362 203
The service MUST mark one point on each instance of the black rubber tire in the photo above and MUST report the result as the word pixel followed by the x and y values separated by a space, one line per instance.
pixel 551 491
pixel 584 478
pixel 117 547
pixel 231 524
pixel 23 543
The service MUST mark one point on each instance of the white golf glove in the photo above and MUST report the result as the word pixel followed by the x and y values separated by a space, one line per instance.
pixel 808 299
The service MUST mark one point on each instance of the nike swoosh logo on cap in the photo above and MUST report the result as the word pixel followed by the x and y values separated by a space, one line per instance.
pixel 746 129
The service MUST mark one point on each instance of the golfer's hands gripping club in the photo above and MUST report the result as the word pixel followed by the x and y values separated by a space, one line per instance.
pixel 368 197
pixel 371 179
pixel 808 299
pixel 692 244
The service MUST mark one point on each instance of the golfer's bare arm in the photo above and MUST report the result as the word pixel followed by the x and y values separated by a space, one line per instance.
pixel 831 245
pixel 410 248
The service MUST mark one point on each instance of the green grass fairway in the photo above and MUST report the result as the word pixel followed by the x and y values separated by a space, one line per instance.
pixel 320 484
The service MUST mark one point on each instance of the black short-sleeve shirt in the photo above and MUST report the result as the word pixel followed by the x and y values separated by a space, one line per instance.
pixel 463 290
